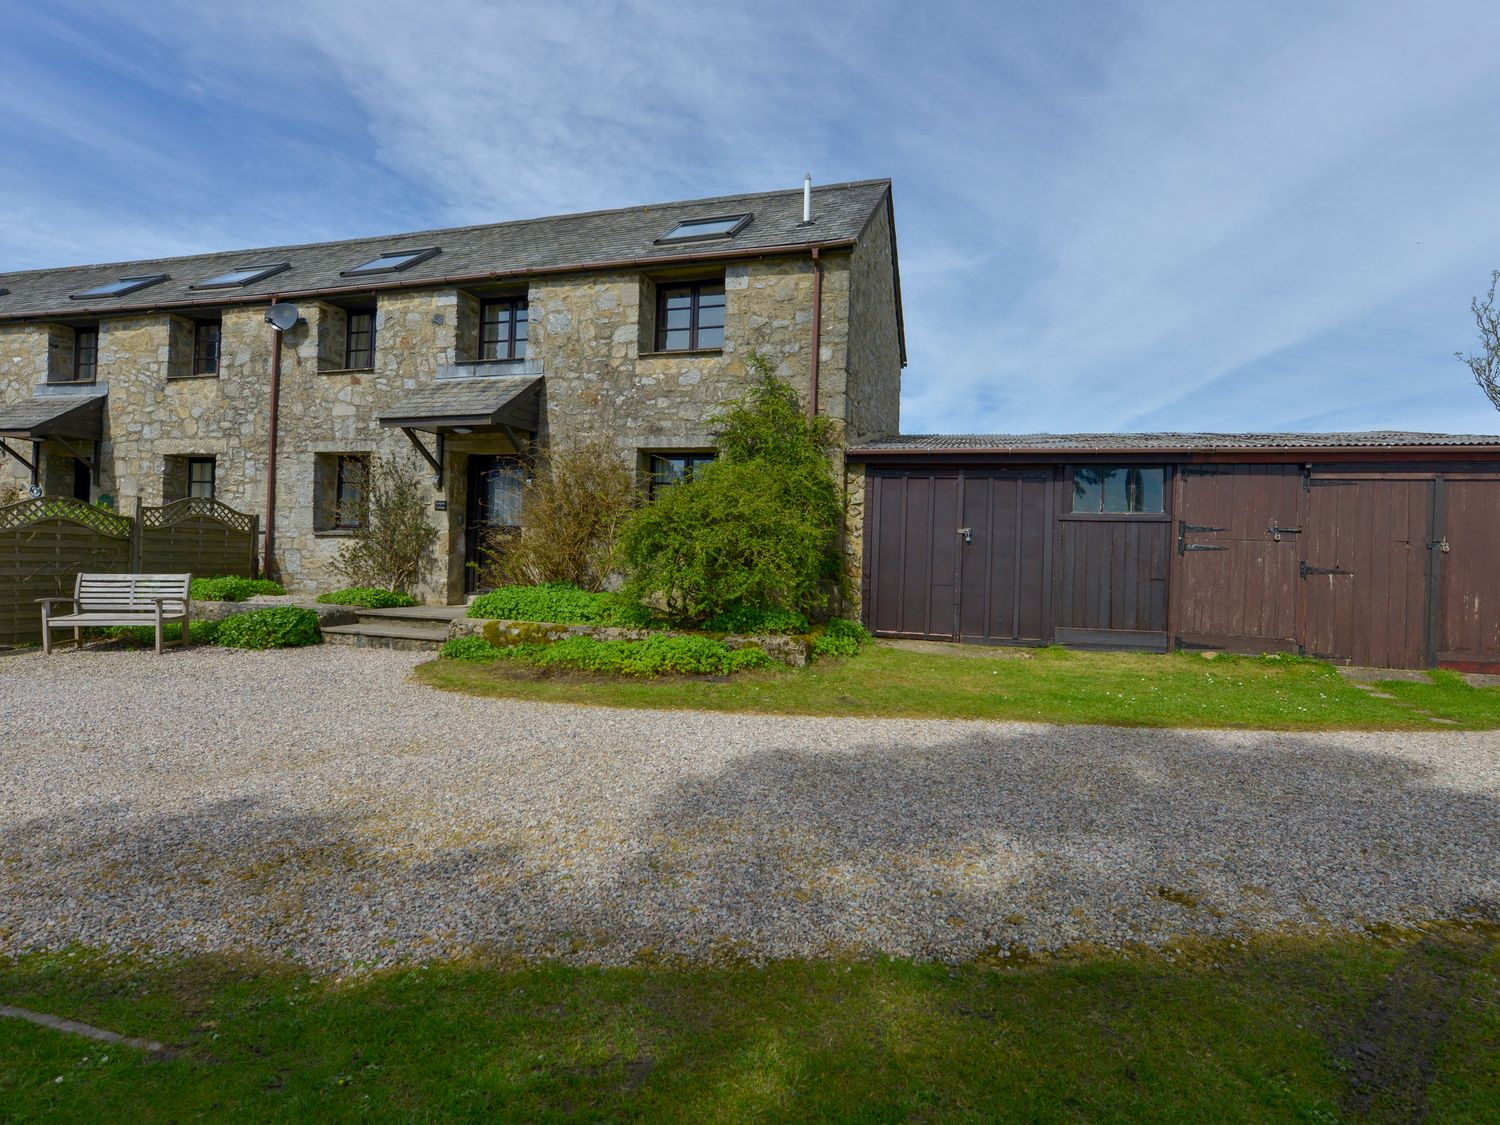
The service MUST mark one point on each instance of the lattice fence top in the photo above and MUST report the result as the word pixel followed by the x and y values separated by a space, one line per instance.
pixel 179 510
pixel 14 516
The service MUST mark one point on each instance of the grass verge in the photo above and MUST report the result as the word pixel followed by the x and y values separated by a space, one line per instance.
pixel 1277 1028
pixel 1047 685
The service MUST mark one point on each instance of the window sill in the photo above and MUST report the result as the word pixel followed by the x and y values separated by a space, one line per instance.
pixel 679 352
pixel 346 370
pixel 191 378
pixel 336 532
pixel 71 382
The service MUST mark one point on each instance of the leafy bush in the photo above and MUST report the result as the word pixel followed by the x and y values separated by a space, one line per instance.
pixel 473 649
pixel 395 547
pixel 554 601
pixel 571 511
pixel 758 527
pixel 233 588
pixel 841 637
pixel 282 626
pixel 367 597
pixel 746 619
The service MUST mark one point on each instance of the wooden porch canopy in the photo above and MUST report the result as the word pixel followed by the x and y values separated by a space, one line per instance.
pixel 466 406
pixel 54 416
pixel 64 418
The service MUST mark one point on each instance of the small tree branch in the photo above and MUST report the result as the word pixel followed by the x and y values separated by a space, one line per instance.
pixel 1485 366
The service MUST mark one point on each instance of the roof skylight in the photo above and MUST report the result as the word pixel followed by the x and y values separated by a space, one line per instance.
pixel 241 275
pixel 391 262
pixel 695 230
pixel 119 288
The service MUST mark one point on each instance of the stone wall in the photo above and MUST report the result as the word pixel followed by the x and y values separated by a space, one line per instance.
pixel 874 407
pixel 590 333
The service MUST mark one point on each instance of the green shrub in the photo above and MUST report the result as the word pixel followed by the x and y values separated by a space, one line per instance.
pixel 395 545
pixel 469 648
pixel 840 637
pixel 283 626
pixel 232 588
pixel 201 633
pixel 367 597
pixel 746 619
pixel 555 601
pixel 759 527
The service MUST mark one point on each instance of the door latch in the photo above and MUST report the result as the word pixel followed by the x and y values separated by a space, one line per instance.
pixel 1439 545
pixel 1276 531
pixel 967 533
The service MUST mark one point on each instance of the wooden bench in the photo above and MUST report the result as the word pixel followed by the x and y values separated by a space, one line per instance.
pixel 121 599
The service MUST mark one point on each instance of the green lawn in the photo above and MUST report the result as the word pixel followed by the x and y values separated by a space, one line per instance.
pixel 1296 1029
pixel 1048 685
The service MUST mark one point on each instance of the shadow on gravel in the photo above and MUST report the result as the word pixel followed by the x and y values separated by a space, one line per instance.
pixel 992 842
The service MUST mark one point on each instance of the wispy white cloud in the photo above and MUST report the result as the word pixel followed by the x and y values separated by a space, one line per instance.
pixel 1150 214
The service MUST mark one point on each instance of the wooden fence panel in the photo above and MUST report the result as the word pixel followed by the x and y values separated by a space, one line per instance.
pixel 44 543
pixel 199 537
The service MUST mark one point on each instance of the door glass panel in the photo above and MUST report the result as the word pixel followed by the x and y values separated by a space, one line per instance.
pixel 500 505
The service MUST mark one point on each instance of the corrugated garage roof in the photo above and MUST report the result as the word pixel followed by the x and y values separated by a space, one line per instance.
pixel 840 212
pixel 1166 442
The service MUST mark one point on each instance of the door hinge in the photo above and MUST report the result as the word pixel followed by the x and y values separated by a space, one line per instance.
pixel 1276 531
pixel 1306 570
pixel 1183 527
pixel 1202 547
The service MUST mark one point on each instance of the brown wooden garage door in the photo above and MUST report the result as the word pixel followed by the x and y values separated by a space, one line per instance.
pixel 1468 614
pixel 958 554
pixel 1237 557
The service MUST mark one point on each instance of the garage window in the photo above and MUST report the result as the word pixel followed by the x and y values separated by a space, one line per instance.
pixel 1119 490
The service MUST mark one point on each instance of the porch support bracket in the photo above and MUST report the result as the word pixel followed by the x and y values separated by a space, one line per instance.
pixel 435 461
pixel 9 452
pixel 92 462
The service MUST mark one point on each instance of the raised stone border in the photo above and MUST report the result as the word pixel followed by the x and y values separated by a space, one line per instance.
pixel 790 650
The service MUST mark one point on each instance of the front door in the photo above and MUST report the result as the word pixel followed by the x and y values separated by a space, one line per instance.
pixel 494 513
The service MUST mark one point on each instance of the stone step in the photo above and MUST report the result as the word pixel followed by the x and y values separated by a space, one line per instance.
pixel 411 615
pixel 418 637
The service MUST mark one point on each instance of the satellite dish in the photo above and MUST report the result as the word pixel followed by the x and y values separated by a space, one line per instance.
pixel 282 316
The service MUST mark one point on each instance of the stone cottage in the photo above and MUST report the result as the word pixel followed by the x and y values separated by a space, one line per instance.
pixel 460 351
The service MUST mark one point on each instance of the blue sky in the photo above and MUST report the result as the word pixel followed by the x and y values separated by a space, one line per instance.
pixel 1125 216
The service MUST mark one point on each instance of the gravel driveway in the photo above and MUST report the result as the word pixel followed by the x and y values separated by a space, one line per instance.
pixel 314 805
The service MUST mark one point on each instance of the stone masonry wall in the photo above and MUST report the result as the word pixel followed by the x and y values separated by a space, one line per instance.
pixel 591 334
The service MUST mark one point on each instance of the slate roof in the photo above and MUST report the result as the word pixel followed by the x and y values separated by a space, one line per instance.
pixel 480 401
pixel 1166 442
pixel 840 212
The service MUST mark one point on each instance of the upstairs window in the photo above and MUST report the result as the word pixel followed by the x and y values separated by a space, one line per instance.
pixel 699 230
pixel 85 355
pixel 359 340
pixel 119 288
pixel 1119 490
pixel 391 262
pixel 690 317
pixel 673 467
pixel 200 471
pixel 503 329
pixel 206 337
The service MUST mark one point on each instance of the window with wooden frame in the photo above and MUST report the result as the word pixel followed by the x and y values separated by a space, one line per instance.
pixel 690 316
pixel 200 477
pixel 85 355
pixel 672 467
pixel 359 340
pixel 503 328
pixel 1119 490
pixel 350 505
pixel 206 338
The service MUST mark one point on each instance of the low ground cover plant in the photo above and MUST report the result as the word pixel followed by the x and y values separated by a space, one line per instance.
pixel 560 602
pixel 232 588
pixel 753 620
pixel 283 626
pixel 367 597
pixel 657 655
pixel 841 637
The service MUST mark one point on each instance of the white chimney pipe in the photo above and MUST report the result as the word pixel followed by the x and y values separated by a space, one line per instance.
pixel 807 198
